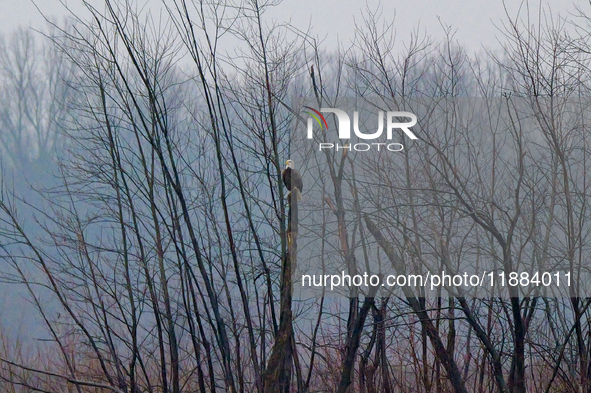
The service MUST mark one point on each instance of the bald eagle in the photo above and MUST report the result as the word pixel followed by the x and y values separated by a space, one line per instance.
pixel 292 178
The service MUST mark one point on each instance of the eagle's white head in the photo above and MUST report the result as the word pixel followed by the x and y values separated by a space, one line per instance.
pixel 289 164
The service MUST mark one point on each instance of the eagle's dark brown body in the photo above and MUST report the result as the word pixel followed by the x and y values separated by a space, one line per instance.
pixel 292 178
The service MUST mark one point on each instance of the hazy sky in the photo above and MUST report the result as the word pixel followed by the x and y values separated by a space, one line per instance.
pixel 333 19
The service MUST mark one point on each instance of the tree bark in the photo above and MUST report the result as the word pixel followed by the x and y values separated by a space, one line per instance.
pixel 278 374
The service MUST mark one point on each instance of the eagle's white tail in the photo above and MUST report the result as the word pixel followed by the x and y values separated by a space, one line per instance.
pixel 295 191
pixel 299 193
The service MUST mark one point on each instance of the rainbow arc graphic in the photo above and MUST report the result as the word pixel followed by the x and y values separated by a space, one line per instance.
pixel 316 114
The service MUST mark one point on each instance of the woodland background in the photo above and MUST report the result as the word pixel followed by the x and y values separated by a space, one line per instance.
pixel 143 220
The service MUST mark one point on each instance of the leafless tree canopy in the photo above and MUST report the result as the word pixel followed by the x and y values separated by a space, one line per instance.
pixel 146 234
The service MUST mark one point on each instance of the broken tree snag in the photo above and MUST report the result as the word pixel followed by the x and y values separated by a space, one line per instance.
pixel 292 218
pixel 278 374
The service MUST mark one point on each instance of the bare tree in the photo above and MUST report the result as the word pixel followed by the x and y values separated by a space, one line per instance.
pixel 165 258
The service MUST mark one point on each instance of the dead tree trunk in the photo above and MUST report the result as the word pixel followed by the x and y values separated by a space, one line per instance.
pixel 278 374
